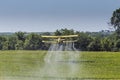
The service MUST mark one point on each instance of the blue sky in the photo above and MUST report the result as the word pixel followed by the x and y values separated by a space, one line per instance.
pixel 49 15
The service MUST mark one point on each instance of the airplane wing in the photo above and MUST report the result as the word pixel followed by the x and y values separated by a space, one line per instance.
pixel 66 36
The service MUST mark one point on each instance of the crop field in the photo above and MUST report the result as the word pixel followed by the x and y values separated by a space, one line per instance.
pixel 30 65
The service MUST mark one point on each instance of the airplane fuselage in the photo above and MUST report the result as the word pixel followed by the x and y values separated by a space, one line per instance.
pixel 59 40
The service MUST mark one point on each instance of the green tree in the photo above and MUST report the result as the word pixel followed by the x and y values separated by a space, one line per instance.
pixel 5 45
pixel 33 42
pixel 106 44
pixel 83 41
pixel 20 35
pixel 117 45
pixel 19 45
pixel 12 41
pixel 2 40
pixel 95 45
pixel 57 32
pixel 115 21
pixel 64 32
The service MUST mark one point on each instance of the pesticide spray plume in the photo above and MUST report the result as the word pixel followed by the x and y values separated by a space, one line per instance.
pixel 61 52
pixel 60 61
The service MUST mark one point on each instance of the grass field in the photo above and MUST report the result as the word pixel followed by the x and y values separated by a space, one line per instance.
pixel 105 65
pixel 28 65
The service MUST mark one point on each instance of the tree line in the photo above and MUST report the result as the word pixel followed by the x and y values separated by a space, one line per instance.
pixel 86 41
pixel 21 41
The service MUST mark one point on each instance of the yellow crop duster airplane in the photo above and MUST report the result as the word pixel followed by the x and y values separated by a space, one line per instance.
pixel 60 39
